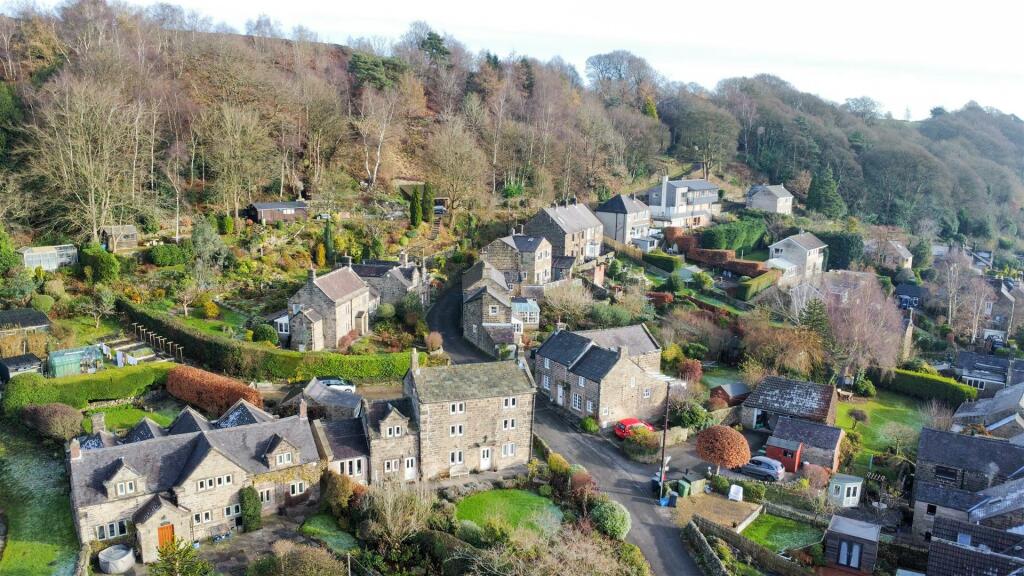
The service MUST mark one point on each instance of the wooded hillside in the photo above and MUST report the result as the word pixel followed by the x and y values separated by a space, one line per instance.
pixel 113 114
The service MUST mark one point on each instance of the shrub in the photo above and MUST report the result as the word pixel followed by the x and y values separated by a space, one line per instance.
pixel 738 235
pixel 612 519
pixel 210 392
pixel 558 465
pixel 589 425
pixel 336 493
pixel 211 310
pixel 633 560
pixel 42 303
pixel 265 333
pixel 468 531
pixel 78 390
pixel 753 286
pixel 723 446
pixel 55 421
pixel 753 491
pixel 544 490
pixel 864 387
pixel 928 386
pixel 386 311
pixel 249 500
pixel 55 288
pixel 168 255
pixel 666 262
pixel 720 484
pixel 691 415
pixel 226 224
pixel 443 517
pixel 817 476
pixel 716 403
pixel 104 265
pixel 434 341
pixel 641 444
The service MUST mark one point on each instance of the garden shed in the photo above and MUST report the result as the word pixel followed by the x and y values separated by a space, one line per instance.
pixel 691 484
pixel 845 490
pixel 14 365
pixel 851 544
pixel 74 361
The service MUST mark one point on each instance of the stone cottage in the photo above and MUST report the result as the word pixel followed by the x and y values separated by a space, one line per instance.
pixel 183 482
pixel 572 229
pixel 472 417
pixel 604 374
pixel 394 281
pixel 392 435
pixel 523 259
pixel 775 199
pixel 487 314
pixel 796 442
pixel 329 308
pixel 777 396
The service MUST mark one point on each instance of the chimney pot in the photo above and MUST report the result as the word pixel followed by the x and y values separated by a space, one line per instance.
pixel 74 449
pixel 403 258
pixel 99 422
pixel 347 260
pixel 303 409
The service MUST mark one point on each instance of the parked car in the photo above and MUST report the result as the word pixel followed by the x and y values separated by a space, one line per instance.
pixel 625 427
pixel 763 468
pixel 440 210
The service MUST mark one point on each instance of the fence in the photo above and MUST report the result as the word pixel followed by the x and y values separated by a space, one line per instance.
pixel 819 520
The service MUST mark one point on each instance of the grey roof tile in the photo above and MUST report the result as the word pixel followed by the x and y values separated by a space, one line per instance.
pixel 792 398
pixel 810 433
pixel 978 453
pixel 572 218
pixel 621 204
pixel 470 381
pixel 595 364
pixel 341 284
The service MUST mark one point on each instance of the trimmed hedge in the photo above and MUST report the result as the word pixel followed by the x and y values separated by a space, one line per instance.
pixel 254 360
pixel 666 262
pixel 211 392
pixel 754 286
pixel 168 255
pixel 737 235
pixel 80 389
pixel 926 386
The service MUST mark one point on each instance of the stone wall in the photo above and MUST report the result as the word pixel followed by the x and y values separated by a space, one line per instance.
pixel 708 562
pixel 924 522
pixel 764 558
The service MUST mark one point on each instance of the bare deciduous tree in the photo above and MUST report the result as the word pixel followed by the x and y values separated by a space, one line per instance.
pixel 975 300
pixel 455 164
pixel 937 415
pixel 954 275
pixel 398 511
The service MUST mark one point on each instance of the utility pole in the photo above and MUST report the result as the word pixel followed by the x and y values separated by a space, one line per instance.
pixel 664 442
pixel 348 558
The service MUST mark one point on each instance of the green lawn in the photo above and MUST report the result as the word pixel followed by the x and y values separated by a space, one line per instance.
pixel 882 409
pixel 780 534
pixel 721 375
pixel 324 527
pixel 124 417
pixel 34 496
pixel 516 507
pixel 216 326
pixel 85 329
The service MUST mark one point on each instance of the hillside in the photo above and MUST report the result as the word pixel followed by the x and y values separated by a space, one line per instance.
pixel 112 114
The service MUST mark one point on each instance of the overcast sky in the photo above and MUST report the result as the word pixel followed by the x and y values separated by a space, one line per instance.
pixel 905 54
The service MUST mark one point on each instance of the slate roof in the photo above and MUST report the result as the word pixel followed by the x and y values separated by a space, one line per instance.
pixel 810 433
pixel 979 453
pixel 946 558
pixel 345 438
pixel 523 242
pixel 1006 402
pixel 498 294
pixel 792 398
pixel 911 290
pixel 166 461
pixel 96 440
pixel 150 508
pixel 855 528
pixel 470 381
pixel 1000 541
pixel 990 367
pixel 242 413
pixel 22 318
pixel 572 218
pixel 187 421
pixel 734 389
pixel 278 205
pixel 805 240
pixel 340 285
pixel 777 191
pixel 504 333
pixel 564 347
pixel 945 496
pixel 563 262
pixel 146 429
pixel 999 500
pixel 377 410
pixel 482 271
pixel 899 249
pixel 622 204
pixel 636 338
pixel 694 184
pixel 321 392
pixel 21 362
pixel 372 270
pixel 596 363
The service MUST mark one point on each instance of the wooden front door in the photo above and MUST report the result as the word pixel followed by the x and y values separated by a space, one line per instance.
pixel 165 535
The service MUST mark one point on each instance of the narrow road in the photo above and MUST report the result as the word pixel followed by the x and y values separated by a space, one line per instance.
pixel 628 483
pixel 445 316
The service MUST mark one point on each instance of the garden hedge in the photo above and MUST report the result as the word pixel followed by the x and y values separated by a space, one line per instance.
pixel 250 360
pixel 80 389
pixel 738 235
pixel 753 286
pixel 666 262
pixel 210 392
pixel 926 386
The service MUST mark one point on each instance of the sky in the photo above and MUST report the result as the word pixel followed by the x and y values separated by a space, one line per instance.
pixel 909 55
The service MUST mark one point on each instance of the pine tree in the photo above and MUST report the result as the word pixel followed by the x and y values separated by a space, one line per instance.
pixel 823 195
pixel 415 209
pixel 650 108
pixel 428 202
pixel 180 558
pixel 329 242
pixel 814 316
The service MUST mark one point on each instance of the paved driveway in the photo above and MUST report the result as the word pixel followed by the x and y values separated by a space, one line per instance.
pixel 627 482
pixel 445 316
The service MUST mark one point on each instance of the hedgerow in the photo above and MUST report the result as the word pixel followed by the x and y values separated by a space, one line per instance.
pixel 210 392
pixel 666 262
pixel 926 386
pixel 79 390
pixel 753 286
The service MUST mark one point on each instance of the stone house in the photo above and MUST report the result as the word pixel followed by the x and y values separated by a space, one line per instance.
pixel 796 442
pixel 684 203
pixel 521 258
pixel 852 545
pixel 487 316
pixel 394 281
pixel 775 199
pixel 159 484
pixel 1001 416
pixel 342 445
pixel 392 435
pixel 472 417
pixel 572 229
pixel 329 308
pixel 805 252
pixel 776 397
pixel 600 375
pixel 959 548
pixel 891 254
pixel 627 221
pixel 330 397
pixel 988 373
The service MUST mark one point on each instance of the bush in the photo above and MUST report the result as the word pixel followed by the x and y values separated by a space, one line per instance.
pixel 55 288
pixel 249 500
pixel 633 560
pixel 666 262
pixel 434 341
pixel 753 491
pixel 716 403
pixel 612 519
pixel 386 311
pixel 42 303
pixel 609 315
pixel 55 421
pixel 265 333
pixel 589 425
pixel 168 255
pixel 443 517
pixel 226 224
pixel 104 265
pixel 336 493
pixel 864 387
pixel 544 490
pixel 469 531
pixel 78 390
pixel 738 235
pixel 928 386
pixel 753 286
pixel 691 415
pixel 558 465
pixel 642 444
pixel 210 392
pixel 720 484
pixel 210 310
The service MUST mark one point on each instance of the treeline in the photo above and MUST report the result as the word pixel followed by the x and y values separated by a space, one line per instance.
pixel 115 114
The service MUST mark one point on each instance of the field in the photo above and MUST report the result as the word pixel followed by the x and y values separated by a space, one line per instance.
pixel 882 409
pixel 34 497
pixel 324 527
pixel 516 507
pixel 124 417
pixel 780 534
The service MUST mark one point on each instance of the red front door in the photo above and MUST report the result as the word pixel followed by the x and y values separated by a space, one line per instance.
pixel 165 535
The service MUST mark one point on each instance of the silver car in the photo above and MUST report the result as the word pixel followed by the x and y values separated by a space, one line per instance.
pixel 763 468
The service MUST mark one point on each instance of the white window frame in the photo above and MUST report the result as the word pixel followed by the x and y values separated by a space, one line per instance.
pixel 456 457
pixel 207 516
pixel 647 393
pixel 545 382
pixel 297 488
pixel 266 496
pixel 582 382
pixel 456 430
pixel 492 310
pixel 590 406
pixel 457 408
pixel 577 402
pixel 508 424
pixel 509 402
pixel 284 458
pixel 508 449
pixel 547 363
pixel 410 462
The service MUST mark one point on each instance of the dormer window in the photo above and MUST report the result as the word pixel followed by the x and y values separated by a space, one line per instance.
pixel 126 488
pixel 284 459
pixel 393 431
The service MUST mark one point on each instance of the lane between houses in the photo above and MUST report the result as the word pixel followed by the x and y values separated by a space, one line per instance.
pixel 627 482
pixel 445 317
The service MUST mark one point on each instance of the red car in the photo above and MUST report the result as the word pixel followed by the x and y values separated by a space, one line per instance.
pixel 625 427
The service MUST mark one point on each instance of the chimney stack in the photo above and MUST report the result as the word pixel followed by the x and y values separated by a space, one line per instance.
pixel 623 351
pixel 312 273
pixel 512 230
pixel 403 258
pixel 347 260
pixel 303 409
pixel 414 364
pixel 559 326
pixel 99 423
pixel 74 449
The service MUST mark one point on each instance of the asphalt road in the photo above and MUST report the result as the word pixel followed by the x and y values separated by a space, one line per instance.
pixel 627 482
pixel 445 316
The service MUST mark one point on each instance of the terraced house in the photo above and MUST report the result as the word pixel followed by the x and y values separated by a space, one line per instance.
pixel 522 258
pixel 572 229
pixel 157 484
pixel 604 374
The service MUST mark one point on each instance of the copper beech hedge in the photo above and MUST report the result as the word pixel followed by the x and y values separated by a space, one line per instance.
pixel 212 393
